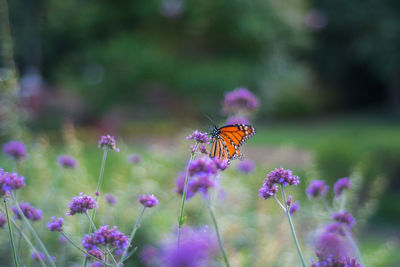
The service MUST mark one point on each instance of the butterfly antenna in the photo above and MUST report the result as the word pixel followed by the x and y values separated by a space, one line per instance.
pixel 205 115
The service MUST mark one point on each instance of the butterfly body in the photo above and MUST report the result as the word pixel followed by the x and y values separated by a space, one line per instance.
pixel 227 140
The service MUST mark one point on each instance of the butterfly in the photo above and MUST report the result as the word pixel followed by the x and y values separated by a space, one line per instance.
pixel 227 140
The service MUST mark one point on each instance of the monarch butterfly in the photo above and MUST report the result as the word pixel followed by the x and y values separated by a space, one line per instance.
pixel 227 140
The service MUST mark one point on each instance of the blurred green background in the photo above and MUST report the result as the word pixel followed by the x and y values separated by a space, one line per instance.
pixel 327 74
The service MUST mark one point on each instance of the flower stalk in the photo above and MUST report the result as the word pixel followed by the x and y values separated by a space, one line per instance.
pixel 220 243
pixel 10 233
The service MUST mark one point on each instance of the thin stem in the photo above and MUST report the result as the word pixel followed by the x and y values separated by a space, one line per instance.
pixel 83 251
pixel 91 221
pixel 342 202
pixel 103 163
pixel 221 245
pixel 180 219
pixel 35 235
pixel 279 203
pixel 131 236
pixel 292 228
pixel 10 233
pixel 326 205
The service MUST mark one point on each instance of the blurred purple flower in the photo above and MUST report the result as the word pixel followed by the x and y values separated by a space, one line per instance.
pixel 106 236
pixel 3 220
pixel 345 218
pixel 240 99
pixel 267 191
pixel 80 204
pixel 67 161
pixel 202 166
pixel 201 184
pixel 9 182
pixel 149 256
pixel 111 199
pixel 98 264
pixel 96 253
pixel 36 256
pixel 237 120
pixel 341 262
pixel 108 142
pixel 199 137
pixel 221 164
pixel 335 228
pixel 294 207
pixel 203 149
pixel 62 240
pixel 341 185
pixel 289 200
pixel 246 166
pixel 330 245
pixel 134 158
pixel 196 249
pixel 180 185
pixel 56 224
pixel 275 177
pixel 148 201
pixel 317 188
pixel 15 149
pixel 171 8
pixel 29 211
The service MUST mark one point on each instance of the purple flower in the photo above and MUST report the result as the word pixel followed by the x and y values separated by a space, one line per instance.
pixel 237 120
pixel 96 253
pixel 196 249
pixel 56 224
pixel 345 218
pixel 3 220
pixel 15 149
pixel 9 182
pixel 267 191
pixel 148 201
pixel 80 204
pixel 329 245
pixel 341 262
pixel 67 161
pixel 316 188
pixel 111 199
pixel 282 177
pixel 240 99
pixel 199 137
pixel 108 142
pixel 221 164
pixel 29 211
pixel 39 255
pixel 293 208
pixel 149 255
pixel 180 185
pixel 341 185
pixel 202 166
pixel 134 158
pixel 335 228
pixel 246 166
pixel 97 264
pixel 203 149
pixel 62 240
pixel 106 236
pixel 202 184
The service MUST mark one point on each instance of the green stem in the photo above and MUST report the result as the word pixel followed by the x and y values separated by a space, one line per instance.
pixel 181 221
pixel 35 235
pixel 292 228
pixel 131 236
pixel 103 163
pixel 83 251
pixel 93 226
pixel 10 233
pixel 221 245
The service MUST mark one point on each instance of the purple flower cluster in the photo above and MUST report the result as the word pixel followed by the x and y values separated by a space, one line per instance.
pixel 344 218
pixel 134 158
pixel 9 182
pixel 196 249
pixel 202 166
pixel 294 207
pixel 331 245
pixel 67 161
pixel 277 177
pixel 97 253
pixel 316 189
pixel 15 149
pixel 246 166
pixel 341 262
pixel 111 199
pixel 80 204
pixel 108 142
pixel 56 224
pixel 240 99
pixel 106 236
pixel 199 137
pixel 341 185
pixel 237 120
pixel 29 211
pixel 39 255
pixel 3 220
pixel 148 201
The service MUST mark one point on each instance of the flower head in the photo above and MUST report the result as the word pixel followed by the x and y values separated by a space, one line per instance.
pixel 345 218
pixel 111 199
pixel 29 211
pixel 148 201
pixel 282 177
pixel 134 158
pixel 237 120
pixel 39 255
pixel 56 224
pixel 201 184
pixel 3 220
pixel 180 185
pixel 240 99
pixel 96 253
pixel 294 207
pixel 341 185
pixel 15 149
pixel 202 166
pixel 221 164
pixel 80 204
pixel 335 228
pixel 149 255
pixel 199 137
pixel 9 182
pixel 203 149
pixel 108 142
pixel 341 262
pixel 67 161
pixel 330 245
pixel 246 166
pixel 267 190
pixel 106 236
pixel 317 188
